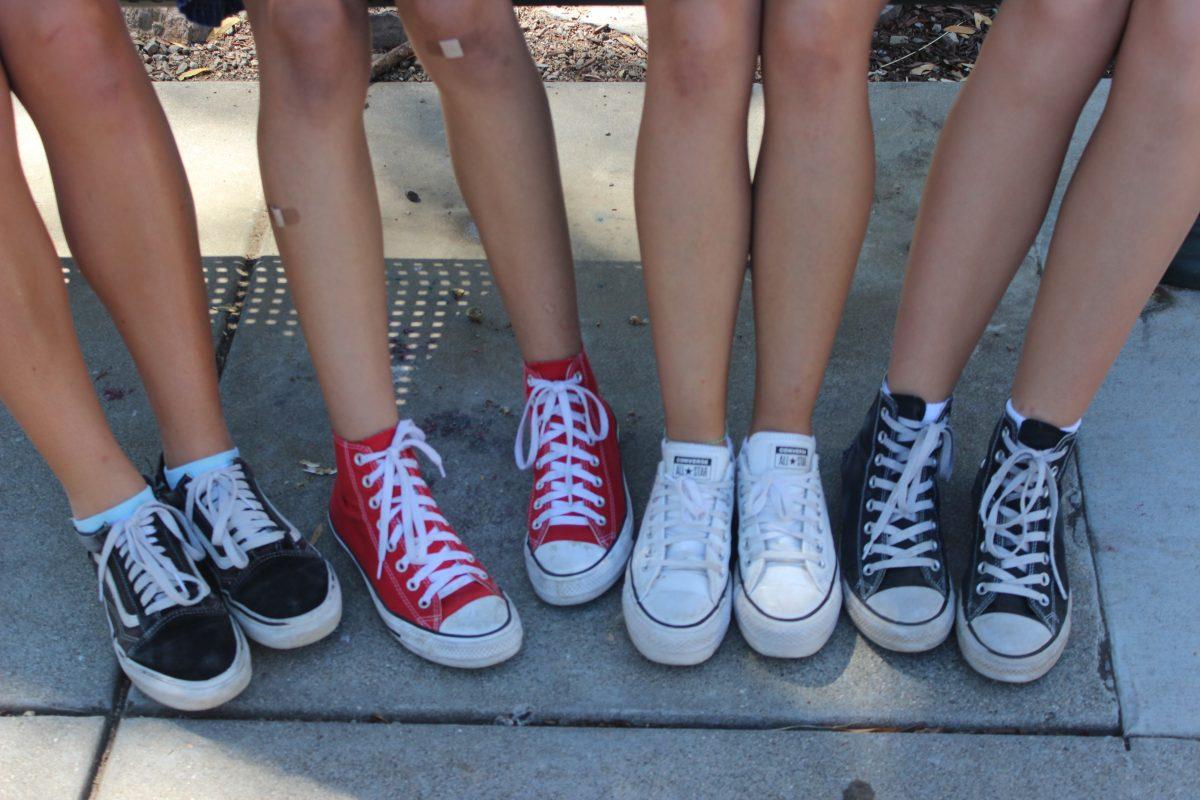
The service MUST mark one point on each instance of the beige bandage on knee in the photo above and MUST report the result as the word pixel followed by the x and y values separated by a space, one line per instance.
pixel 451 48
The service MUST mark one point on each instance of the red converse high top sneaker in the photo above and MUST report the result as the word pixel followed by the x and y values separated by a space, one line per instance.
pixel 427 586
pixel 580 525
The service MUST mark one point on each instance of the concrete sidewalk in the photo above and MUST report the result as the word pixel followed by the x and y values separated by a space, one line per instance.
pixel 356 716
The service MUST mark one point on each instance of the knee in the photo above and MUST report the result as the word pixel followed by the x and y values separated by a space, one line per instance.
pixel 703 54
pixel 86 37
pixel 492 49
pixel 323 55
pixel 818 46
pixel 1166 30
pixel 1050 20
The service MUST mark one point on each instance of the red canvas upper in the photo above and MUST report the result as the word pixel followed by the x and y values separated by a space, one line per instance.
pixel 355 517
pixel 586 404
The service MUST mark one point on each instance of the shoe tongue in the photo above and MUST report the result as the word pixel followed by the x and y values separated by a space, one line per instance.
pixel 910 407
pixel 1040 435
pixel 791 452
pixel 378 442
pixel 703 463
pixel 561 369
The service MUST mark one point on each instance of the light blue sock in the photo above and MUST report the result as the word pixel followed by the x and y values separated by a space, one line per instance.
pixel 121 511
pixel 198 467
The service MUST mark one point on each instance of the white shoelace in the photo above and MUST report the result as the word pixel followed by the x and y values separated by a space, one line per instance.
pixel 420 525
pixel 689 512
pixel 155 579
pixel 1016 521
pixel 560 412
pixel 786 510
pixel 239 521
pixel 895 532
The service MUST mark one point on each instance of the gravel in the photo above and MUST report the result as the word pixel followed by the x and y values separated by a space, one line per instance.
pixel 930 43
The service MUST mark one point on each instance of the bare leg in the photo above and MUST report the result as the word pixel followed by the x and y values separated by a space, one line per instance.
pixel 43 379
pixel 316 169
pixel 502 144
pixel 812 196
pixel 134 240
pixel 692 187
pixel 1130 205
pixel 997 161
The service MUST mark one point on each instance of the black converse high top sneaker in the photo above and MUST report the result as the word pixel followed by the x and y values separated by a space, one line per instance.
pixel 173 636
pixel 893 562
pixel 1015 613
pixel 278 586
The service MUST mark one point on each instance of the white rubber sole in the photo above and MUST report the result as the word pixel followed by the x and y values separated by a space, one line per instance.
pixel 897 636
pixel 675 646
pixel 192 695
pixel 297 631
pixel 464 652
pixel 583 587
pixel 793 638
pixel 1009 669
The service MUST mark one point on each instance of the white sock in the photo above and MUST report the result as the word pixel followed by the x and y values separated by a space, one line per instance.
pixel 198 467
pixel 1018 418
pixel 932 410
pixel 121 511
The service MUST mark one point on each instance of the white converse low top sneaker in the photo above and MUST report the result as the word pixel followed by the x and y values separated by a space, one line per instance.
pixel 677 593
pixel 787 595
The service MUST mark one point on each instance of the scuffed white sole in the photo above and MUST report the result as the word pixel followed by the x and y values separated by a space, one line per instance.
pixel 305 629
pixel 192 695
pixel 779 638
pixel 899 637
pixel 583 587
pixel 675 646
pixel 464 652
pixel 1011 669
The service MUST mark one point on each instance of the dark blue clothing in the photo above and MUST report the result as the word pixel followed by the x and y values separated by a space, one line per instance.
pixel 209 12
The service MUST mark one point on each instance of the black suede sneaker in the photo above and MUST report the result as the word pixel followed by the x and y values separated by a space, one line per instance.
pixel 278 586
pixel 1015 613
pixel 894 575
pixel 173 637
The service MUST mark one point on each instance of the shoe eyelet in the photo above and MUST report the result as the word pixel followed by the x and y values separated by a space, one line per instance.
pixel 537 504
pixel 603 520
pixel 868 570
pixel 1045 579
pixel 401 567
pixel 934 547
pixel 878 460
pixel 1045 558
pixel 979 568
pixel 983 547
pixel 1043 601
pixel 423 603
pixel 879 437
pixel 871 482
pixel 358 459
pixel 537 526
pixel 937 566
pixel 867 529
pixel 529 381
pixel 821 565
pixel 600 503
pixel 373 503
pixel 411 586
pixel 979 590
pixel 366 483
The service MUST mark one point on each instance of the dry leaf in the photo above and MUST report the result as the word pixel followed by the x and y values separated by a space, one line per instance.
pixel 922 69
pixel 227 25
pixel 963 30
pixel 313 468
pixel 981 20
pixel 191 73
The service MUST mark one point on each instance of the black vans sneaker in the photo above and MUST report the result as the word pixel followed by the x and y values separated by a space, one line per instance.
pixel 893 563
pixel 278 586
pixel 1015 613
pixel 174 638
